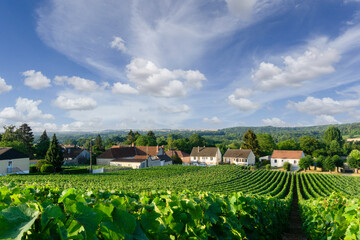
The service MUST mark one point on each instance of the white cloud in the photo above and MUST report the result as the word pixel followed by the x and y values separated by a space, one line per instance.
pixel 325 120
pixel 324 106
pixel 80 103
pixel 175 109
pixel 275 122
pixel 213 120
pixel 243 92
pixel 80 126
pixel 119 44
pixel 3 86
pixel 243 104
pixel 25 110
pixel 80 84
pixel 162 82
pixel 312 64
pixel 119 88
pixel 35 80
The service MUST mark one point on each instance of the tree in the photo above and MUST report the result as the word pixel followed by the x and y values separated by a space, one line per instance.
pixel 9 134
pixel 319 162
pixel 54 155
pixel 305 162
pixel 130 138
pixel 333 133
pixel 266 143
pixel 176 159
pixel 151 138
pixel 289 144
pixel 354 159
pixel 196 140
pixel 42 146
pixel 334 148
pixel 287 166
pixel 308 144
pixel 329 164
pixel 145 140
pixel 338 162
pixel 26 136
pixel 98 144
pixel 250 142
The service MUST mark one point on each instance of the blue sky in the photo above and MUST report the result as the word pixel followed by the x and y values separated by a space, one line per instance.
pixel 92 65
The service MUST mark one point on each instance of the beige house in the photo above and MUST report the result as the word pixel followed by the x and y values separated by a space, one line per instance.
pixel 243 157
pixel 13 161
pixel 127 156
pixel 205 156
pixel 279 157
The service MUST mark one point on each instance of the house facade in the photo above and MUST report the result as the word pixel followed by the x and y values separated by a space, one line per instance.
pixel 205 156
pixel 185 157
pixel 127 156
pixel 75 155
pixel 161 159
pixel 244 157
pixel 13 161
pixel 279 157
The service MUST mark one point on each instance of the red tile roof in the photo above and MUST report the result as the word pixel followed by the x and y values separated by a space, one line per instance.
pixel 287 154
pixel 138 152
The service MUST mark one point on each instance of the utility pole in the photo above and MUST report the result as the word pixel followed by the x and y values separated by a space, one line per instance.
pixel 90 156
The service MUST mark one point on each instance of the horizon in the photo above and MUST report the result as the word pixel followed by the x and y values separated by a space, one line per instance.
pixel 178 65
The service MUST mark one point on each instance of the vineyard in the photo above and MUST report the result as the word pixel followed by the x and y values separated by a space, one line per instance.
pixel 177 202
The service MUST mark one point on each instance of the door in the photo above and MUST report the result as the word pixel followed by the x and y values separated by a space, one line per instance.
pixel 10 166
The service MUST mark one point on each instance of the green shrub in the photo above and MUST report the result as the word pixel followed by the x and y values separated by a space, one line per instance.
pixel 76 171
pixel 39 164
pixel 287 166
pixel 33 169
pixel 268 167
pixel 47 168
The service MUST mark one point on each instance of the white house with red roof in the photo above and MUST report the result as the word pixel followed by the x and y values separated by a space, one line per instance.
pixel 279 157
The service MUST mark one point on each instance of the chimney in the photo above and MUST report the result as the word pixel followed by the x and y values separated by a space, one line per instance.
pixel 157 148
pixel 198 149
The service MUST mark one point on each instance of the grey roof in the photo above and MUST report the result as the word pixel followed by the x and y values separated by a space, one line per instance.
pixel 8 153
pixel 164 157
pixel 237 153
pixel 204 151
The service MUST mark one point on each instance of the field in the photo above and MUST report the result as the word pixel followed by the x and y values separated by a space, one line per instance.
pixel 178 202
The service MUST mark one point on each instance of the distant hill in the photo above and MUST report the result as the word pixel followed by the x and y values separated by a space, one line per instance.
pixel 233 133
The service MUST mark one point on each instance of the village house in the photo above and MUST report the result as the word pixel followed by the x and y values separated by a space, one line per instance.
pixel 240 156
pixel 127 156
pixel 279 157
pixel 205 156
pixel 161 159
pixel 75 155
pixel 13 161
pixel 185 157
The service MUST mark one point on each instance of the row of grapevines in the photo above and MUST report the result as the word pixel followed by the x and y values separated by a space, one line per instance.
pixel 46 212
pixel 334 217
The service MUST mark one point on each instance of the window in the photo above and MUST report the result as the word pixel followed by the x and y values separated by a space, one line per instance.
pixel 282 160
pixel 275 161
pixel 294 161
pixel 245 160
pixel 211 158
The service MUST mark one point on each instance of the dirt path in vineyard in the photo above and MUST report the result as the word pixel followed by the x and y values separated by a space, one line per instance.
pixel 294 231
